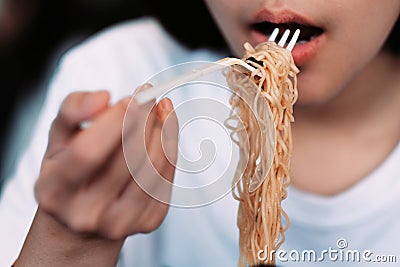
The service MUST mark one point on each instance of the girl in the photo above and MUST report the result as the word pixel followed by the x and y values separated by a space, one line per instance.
pixel 344 189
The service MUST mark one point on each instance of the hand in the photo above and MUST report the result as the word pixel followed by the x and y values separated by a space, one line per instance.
pixel 84 180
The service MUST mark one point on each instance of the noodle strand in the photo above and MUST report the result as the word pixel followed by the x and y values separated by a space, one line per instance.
pixel 261 219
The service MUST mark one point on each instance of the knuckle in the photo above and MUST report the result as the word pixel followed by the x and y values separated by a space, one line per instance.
pixel 46 197
pixel 83 223
pixel 151 224
pixel 72 98
pixel 68 100
pixel 85 155
pixel 47 201
pixel 118 231
pixel 148 228
pixel 67 109
pixel 116 225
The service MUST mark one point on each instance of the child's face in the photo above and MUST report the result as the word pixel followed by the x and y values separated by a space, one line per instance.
pixel 346 35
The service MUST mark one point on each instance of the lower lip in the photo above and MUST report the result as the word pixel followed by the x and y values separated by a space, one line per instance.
pixel 302 53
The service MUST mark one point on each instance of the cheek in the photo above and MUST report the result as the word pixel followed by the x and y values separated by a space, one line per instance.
pixel 343 57
pixel 355 32
pixel 226 14
pixel 316 89
pixel 329 74
pixel 364 25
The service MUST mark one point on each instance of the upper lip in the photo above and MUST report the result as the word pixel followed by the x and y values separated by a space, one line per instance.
pixel 281 17
pixel 265 20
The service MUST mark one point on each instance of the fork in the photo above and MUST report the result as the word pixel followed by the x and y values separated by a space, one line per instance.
pixel 152 93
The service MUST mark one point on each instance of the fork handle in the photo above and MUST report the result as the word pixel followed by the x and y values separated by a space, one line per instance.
pixel 152 93
pixel 156 91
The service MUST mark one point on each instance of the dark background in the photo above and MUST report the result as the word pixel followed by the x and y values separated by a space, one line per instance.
pixel 33 36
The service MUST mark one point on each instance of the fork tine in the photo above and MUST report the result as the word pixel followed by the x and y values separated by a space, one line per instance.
pixel 294 40
pixel 284 38
pixel 274 34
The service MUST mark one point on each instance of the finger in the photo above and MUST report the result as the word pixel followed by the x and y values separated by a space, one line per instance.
pixel 88 206
pixel 125 216
pixel 85 154
pixel 170 130
pixel 151 176
pixel 142 205
pixel 89 156
pixel 141 114
pixel 168 122
pixel 137 131
pixel 76 107
pixel 164 108
pixel 83 209
pixel 156 173
pixel 89 150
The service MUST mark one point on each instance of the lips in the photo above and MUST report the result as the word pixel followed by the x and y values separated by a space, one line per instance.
pixel 311 35
pixel 307 33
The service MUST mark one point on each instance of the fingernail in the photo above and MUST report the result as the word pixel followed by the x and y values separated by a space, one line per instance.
pixel 166 105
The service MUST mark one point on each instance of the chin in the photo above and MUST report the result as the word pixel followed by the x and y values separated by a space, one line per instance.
pixel 312 97
pixel 314 92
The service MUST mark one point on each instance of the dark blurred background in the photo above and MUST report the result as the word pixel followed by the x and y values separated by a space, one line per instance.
pixel 33 36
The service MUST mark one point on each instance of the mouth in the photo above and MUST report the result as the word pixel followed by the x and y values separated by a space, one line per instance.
pixel 307 33
pixel 309 41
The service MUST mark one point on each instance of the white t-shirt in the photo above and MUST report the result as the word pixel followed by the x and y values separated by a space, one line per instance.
pixel 362 222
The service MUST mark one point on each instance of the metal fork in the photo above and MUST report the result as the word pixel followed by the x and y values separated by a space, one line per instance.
pixel 152 93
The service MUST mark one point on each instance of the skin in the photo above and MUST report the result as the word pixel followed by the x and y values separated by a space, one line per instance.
pixel 96 204
pixel 349 92
pixel 349 101
pixel 344 23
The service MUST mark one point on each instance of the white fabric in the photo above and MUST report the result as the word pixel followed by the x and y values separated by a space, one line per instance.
pixel 122 58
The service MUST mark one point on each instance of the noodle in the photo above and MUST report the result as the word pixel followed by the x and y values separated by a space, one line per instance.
pixel 262 187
